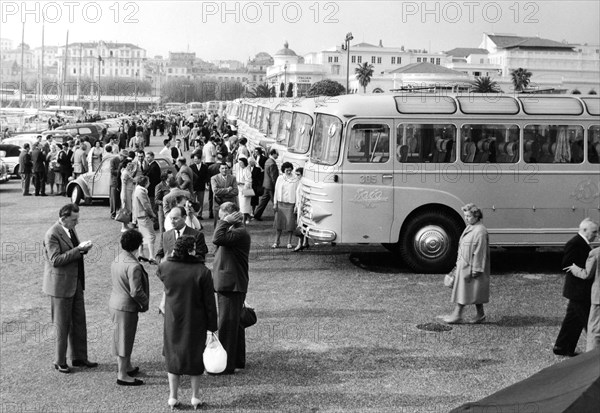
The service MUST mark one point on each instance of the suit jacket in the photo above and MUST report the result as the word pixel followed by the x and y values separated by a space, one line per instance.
pixel 115 171
pixel 63 261
pixel 130 285
pixel 168 243
pixel 153 174
pixel 200 176
pixel 25 163
pixel 39 160
pixel 224 189
pixel 230 267
pixel 271 174
pixel 576 252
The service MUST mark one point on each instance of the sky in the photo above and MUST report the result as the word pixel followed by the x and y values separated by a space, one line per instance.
pixel 239 30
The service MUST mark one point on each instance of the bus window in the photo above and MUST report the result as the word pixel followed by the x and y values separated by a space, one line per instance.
pixel 369 143
pixel 283 133
pixel 490 143
pixel 553 143
pixel 426 143
pixel 273 124
pixel 300 133
pixel 594 144
pixel 327 140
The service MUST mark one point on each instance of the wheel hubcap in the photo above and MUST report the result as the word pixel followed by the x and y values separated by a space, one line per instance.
pixel 431 242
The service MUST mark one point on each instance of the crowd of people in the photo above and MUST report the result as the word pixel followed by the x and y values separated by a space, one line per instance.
pixel 161 212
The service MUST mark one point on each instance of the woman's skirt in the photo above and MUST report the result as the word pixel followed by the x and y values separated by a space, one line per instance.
pixel 285 219
pixel 58 178
pixel 125 323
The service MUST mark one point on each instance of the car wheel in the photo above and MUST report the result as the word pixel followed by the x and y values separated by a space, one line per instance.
pixel 76 195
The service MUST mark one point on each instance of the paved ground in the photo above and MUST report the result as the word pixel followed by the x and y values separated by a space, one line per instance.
pixel 338 328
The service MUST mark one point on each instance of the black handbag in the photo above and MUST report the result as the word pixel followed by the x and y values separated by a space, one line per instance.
pixel 247 317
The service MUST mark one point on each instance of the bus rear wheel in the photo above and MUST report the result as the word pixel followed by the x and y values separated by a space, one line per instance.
pixel 429 242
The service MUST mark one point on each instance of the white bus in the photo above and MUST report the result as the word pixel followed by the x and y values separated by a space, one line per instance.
pixel 174 106
pixel 396 169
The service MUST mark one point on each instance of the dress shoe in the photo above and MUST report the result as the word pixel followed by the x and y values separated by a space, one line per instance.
pixel 196 403
pixel 135 382
pixel 452 320
pixel 84 363
pixel 560 352
pixel 477 320
pixel 133 372
pixel 64 368
pixel 173 403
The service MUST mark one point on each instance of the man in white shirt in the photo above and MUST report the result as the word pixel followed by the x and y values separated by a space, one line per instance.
pixel 166 151
pixel 209 152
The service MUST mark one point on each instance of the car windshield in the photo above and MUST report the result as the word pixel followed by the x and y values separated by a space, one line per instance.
pixel 327 140
pixel 300 133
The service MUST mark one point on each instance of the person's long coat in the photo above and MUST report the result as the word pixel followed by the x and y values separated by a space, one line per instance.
pixel 190 310
pixel 473 256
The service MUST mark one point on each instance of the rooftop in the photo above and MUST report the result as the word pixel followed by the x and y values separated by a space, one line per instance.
pixel 465 51
pixel 511 42
pixel 425 67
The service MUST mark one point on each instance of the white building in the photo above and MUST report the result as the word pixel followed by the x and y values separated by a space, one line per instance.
pixel 5 44
pixel 14 55
pixel 332 64
pixel 115 59
pixel 552 64
pixel 50 56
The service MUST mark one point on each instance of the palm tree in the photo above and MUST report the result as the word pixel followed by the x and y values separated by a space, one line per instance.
pixel 520 78
pixel 262 91
pixel 364 73
pixel 484 85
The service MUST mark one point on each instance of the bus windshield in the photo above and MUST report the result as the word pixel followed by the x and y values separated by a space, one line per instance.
pixel 300 133
pixel 327 140
pixel 283 133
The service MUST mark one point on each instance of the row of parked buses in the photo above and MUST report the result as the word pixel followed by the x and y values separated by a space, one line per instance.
pixel 395 169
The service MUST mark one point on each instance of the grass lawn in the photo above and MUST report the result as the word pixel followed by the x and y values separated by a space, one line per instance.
pixel 337 329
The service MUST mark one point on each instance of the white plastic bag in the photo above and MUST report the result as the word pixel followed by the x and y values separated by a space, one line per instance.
pixel 215 356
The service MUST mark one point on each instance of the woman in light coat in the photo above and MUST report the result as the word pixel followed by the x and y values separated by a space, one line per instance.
pixel 472 273
pixel 243 176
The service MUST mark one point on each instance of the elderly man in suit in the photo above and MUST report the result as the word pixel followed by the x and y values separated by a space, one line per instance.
pixel 271 175
pixel 576 290
pixel 64 282
pixel 230 276
pixel 177 216
pixel 591 272
pixel 25 169
pixel 225 189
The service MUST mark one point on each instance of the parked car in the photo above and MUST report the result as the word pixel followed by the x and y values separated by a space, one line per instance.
pixel 4 175
pixel 21 139
pixel 93 130
pixel 95 185
pixel 11 158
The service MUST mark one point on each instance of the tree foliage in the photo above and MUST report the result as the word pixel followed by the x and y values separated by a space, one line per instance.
pixel 484 85
pixel 326 87
pixel 364 73
pixel 179 90
pixel 520 78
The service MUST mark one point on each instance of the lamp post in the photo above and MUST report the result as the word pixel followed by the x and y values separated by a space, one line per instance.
pixel 99 71
pixel 346 47
pixel 284 80
pixel 136 91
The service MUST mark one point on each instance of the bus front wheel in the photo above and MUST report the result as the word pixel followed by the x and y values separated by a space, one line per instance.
pixel 429 242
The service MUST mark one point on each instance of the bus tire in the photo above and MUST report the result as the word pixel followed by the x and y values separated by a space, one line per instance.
pixel 429 243
pixel 76 195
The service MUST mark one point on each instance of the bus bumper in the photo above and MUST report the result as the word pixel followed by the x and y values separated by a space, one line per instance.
pixel 319 234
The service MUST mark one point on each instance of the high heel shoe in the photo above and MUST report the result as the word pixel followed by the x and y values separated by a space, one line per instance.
pixel 160 311
pixel 196 403
pixel 173 403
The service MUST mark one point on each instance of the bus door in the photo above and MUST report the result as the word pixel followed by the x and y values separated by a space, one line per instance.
pixel 367 182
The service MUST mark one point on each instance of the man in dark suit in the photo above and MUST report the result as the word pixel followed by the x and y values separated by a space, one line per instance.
pixel 576 290
pixel 178 216
pixel 38 157
pixel 25 169
pixel 212 171
pixel 152 171
pixel 230 276
pixel 200 171
pixel 271 174
pixel 64 282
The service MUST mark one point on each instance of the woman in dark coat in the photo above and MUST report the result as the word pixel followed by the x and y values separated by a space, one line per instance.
pixel 190 311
